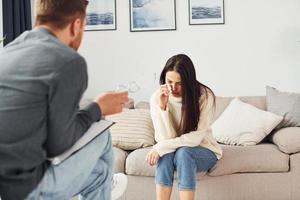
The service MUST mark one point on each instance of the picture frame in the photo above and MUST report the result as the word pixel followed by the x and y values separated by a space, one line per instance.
pixel 152 15
pixel 208 12
pixel 101 15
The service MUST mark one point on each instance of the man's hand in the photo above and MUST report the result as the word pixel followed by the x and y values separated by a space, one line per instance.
pixel 163 96
pixel 152 157
pixel 111 102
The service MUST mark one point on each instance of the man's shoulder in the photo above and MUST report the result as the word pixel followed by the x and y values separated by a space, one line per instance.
pixel 51 47
pixel 42 46
pixel 40 53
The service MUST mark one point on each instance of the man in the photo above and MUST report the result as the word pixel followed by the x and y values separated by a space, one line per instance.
pixel 42 79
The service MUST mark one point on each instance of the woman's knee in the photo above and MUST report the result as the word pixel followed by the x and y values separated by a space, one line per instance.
pixel 183 155
pixel 165 165
pixel 165 170
pixel 166 159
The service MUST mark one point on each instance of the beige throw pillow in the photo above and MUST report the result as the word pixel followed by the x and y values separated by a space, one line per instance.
pixel 133 129
pixel 243 124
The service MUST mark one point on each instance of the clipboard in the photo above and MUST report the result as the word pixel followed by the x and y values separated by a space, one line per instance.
pixel 96 129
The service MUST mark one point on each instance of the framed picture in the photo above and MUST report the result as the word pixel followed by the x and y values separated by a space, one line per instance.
pixel 206 12
pixel 101 15
pixel 152 15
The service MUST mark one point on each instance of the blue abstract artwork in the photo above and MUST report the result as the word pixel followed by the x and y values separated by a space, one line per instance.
pixel 101 15
pixel 206 11
pixel 152 15
pixel 98 18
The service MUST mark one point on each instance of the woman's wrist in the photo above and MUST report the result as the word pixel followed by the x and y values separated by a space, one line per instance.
pixel 163 107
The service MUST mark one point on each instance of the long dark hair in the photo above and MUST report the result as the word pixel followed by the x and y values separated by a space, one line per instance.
pixel 191 89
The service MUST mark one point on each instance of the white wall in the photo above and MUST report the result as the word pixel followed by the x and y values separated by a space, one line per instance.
pixel 1 24
pixel 32 12
pixel 258 45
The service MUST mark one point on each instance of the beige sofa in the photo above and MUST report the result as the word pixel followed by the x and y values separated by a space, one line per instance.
pixel 261 172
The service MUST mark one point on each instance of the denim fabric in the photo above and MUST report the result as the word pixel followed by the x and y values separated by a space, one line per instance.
pixel 88 173
pixel 187 161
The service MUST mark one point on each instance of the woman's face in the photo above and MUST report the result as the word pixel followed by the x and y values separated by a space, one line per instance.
pixel 173 81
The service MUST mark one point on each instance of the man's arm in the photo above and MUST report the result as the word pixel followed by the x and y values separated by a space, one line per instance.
pixel 66 123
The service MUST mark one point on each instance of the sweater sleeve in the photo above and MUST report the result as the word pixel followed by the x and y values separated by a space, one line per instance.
pixel 66 123
pixel 163 124
pixel 193 138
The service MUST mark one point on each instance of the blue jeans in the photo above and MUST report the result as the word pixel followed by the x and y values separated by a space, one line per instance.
pixel 88 172
pixel 187 161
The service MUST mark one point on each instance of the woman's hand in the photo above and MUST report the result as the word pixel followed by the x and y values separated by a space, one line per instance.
pixel 152 157
pixel 163 96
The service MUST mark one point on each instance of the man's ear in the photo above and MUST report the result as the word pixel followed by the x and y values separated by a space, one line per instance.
pixel 75 27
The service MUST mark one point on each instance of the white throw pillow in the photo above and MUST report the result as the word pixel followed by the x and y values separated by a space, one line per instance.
pixel 133 129
pixel 243 124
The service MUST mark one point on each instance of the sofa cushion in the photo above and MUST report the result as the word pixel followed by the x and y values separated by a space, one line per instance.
pixel 119 160
pixel 286 104
pixel 133 129
pixel 287 139
pixel 137 166
pixel 143 105
pixel 223 102
pixel 259 158
pixel 243 124
pixel 236 159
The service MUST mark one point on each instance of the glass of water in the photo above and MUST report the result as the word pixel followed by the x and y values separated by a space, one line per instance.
pixel 130 87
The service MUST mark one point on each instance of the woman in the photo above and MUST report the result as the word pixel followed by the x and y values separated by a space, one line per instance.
pixel 181 111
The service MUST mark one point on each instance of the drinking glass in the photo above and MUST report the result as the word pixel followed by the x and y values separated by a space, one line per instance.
pixel 130 87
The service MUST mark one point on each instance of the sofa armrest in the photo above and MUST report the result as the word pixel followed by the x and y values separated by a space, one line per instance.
pixel 287 139
pixel 119 160
pixel 295 175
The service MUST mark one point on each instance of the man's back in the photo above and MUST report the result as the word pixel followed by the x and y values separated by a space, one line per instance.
pixel 42 79
pixel 37 75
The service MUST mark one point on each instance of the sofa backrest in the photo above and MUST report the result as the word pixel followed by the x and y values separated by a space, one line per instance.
pixel 222 103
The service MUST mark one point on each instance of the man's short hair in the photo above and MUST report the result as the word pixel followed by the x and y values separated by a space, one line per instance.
pixel 59 13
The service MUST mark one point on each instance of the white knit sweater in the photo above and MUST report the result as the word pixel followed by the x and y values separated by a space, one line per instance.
pixel 166 125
